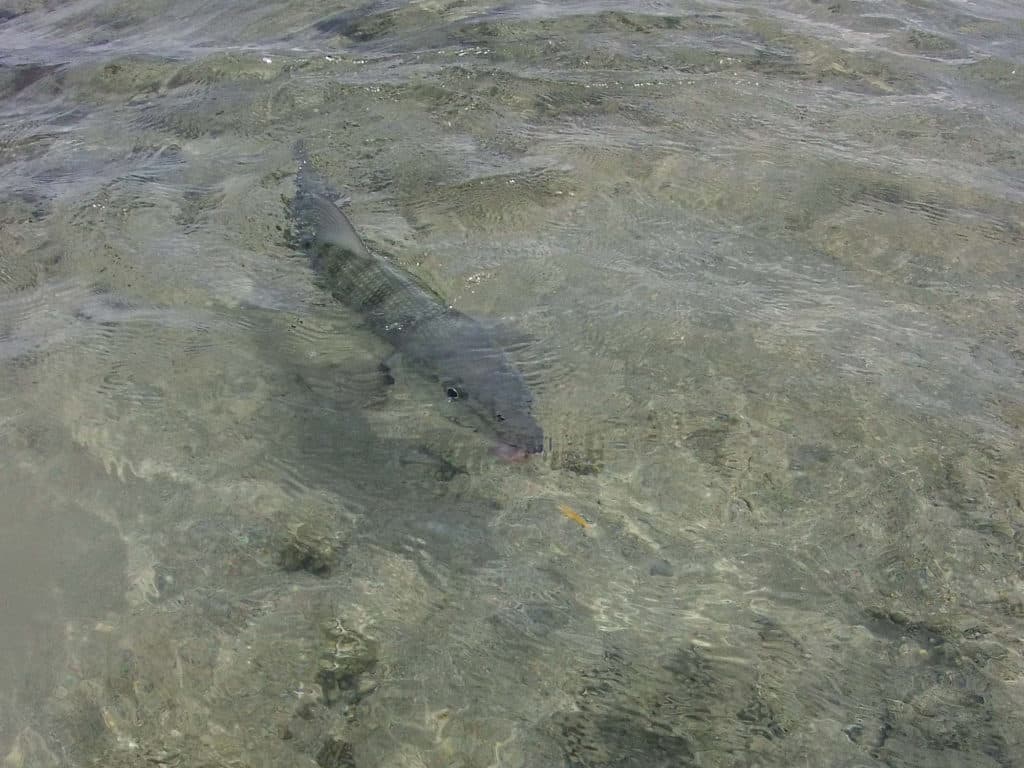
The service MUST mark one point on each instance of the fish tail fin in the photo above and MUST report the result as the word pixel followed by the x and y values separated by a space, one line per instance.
pixel 308 179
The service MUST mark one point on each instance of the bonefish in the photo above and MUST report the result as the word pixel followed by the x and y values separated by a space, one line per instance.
pixel 473 373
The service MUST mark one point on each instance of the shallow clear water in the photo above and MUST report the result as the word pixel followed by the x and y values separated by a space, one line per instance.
pixel 764 264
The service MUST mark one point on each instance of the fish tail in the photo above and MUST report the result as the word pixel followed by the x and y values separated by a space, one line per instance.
pixel 307 179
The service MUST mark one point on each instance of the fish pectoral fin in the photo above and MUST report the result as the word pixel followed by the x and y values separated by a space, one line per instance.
pixel 388 367
pixel 509 338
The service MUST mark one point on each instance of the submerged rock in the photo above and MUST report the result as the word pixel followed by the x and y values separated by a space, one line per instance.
pixel 345 654
pixel 309 547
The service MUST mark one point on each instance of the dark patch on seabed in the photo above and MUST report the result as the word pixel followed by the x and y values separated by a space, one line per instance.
pixel 945 702
pixel 15 79
pixel 359 25
pixel 637 711
pixel 634 713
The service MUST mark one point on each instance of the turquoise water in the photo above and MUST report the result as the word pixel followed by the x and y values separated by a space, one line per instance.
pixel 761 262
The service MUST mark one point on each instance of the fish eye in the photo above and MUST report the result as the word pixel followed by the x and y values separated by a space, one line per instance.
pixel 452 392
pixel 498 417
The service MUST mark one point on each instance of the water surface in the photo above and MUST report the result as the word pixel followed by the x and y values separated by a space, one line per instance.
pixel 762 262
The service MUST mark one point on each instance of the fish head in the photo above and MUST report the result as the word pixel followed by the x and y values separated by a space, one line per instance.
pixel 481 386
pixel 496 395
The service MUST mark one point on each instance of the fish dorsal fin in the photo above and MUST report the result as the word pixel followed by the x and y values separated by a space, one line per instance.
pixel 314 207
pixel 329 224
pixel 319 222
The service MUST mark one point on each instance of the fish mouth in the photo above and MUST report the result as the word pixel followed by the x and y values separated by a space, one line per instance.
pixel 517 452
pixel 513 454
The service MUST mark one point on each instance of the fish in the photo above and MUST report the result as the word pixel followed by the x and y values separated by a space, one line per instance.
pixel 461 355
pixel 573 515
